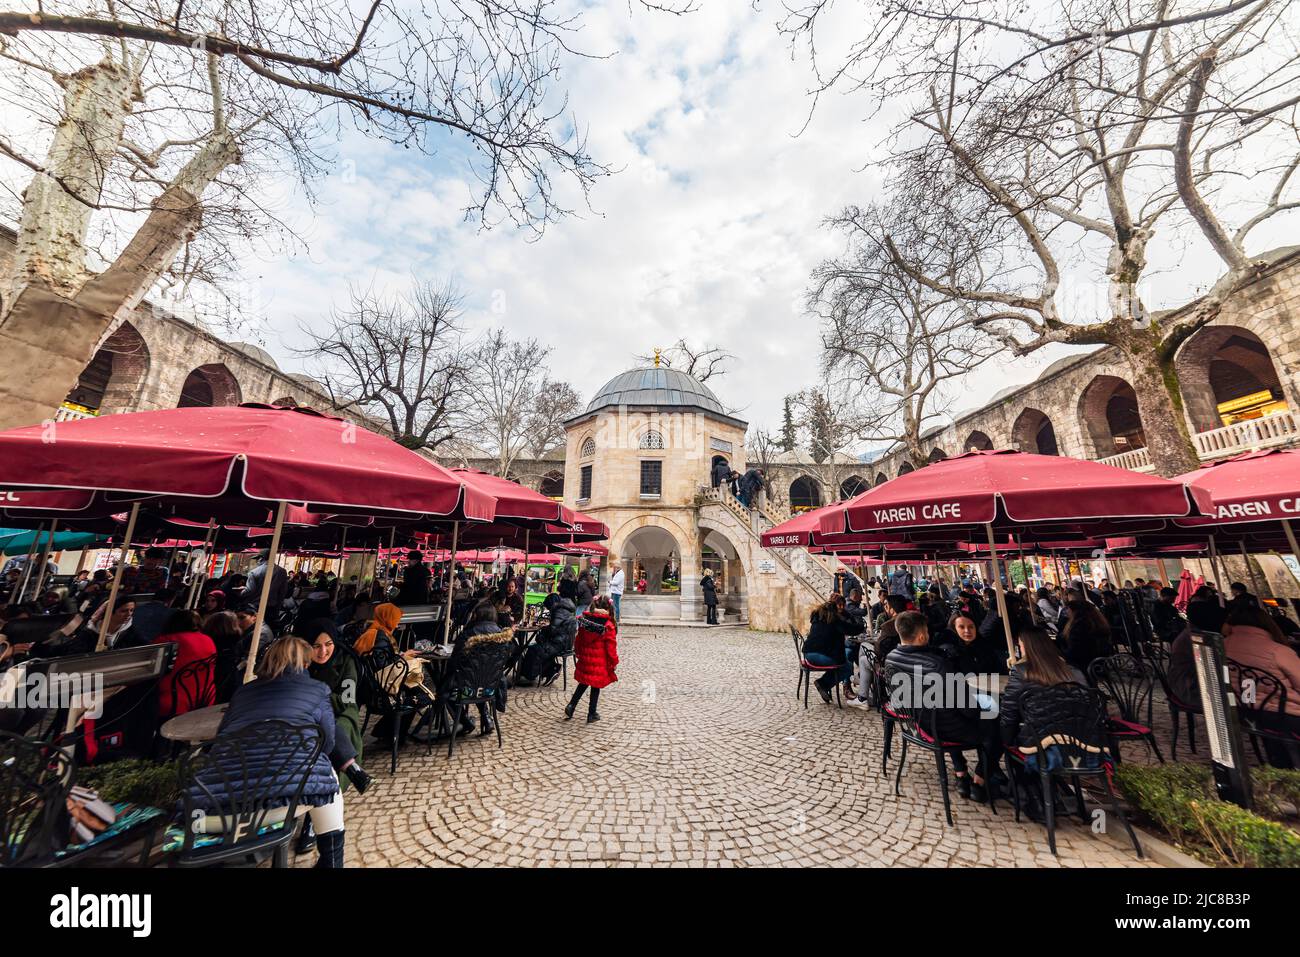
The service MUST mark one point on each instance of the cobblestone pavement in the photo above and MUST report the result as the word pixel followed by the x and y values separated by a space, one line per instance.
pixel 704 757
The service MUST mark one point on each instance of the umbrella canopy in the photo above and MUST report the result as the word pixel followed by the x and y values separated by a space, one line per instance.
pixel 18 541
pixel 263 453
pixel 513 501
pixel 1252 487
pixel 1007 490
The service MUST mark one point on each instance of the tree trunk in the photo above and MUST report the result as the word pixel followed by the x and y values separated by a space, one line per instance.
pixel 1164 422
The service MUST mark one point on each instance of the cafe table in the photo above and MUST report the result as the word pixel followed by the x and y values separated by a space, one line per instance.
pixel 195 727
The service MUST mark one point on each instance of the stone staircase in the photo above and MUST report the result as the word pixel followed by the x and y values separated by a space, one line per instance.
pixel 812 575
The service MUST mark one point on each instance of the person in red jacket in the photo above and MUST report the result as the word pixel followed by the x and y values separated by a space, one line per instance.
pixel 192 645
pixel 596 655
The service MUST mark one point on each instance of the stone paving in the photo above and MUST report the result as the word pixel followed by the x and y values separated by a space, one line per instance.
pixel 703 757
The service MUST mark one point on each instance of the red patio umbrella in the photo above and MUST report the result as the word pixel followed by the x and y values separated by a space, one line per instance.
pixel 1001 491
pixel 210 459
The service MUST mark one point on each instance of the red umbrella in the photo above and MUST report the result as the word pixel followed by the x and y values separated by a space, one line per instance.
pixel 988 491
pixel 1185 589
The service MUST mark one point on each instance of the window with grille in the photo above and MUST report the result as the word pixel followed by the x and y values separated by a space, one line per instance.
pixel 584 482
pixel 588 448
pixel 652 477
pixel 652 440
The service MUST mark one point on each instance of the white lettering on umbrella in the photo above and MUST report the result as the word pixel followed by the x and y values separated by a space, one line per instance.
pixel 1244 510
pixel 942 511
pixel 882 515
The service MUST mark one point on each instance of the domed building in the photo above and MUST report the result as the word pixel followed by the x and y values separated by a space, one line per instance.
pixel 637 458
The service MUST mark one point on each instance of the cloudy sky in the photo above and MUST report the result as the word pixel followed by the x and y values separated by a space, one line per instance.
pixel 709 231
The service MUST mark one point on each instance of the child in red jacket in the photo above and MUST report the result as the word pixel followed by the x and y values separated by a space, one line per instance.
pixel 596 652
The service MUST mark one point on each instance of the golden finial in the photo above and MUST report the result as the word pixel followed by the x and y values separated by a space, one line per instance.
pixel 657 351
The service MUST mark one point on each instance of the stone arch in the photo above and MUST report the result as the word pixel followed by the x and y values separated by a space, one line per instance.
pixel 631 537
pixel 905 468
pixel 113 379
pixel 733 590
pixel 936 455
pixel 1108 408
pixel 1220 364
pixel 552 484
pixel 853 485
pixel 1033 432
pixel 881 479
pixel 805 493
pixel 287 402
pixel 209 385
pixel 977 441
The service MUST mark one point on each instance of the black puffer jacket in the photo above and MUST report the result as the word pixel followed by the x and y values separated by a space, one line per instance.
pixel 902 666
pixel 827 637
pixel 1028 711
pixel 983 656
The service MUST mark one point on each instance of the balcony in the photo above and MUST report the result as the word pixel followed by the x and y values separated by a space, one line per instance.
pixel 1267 432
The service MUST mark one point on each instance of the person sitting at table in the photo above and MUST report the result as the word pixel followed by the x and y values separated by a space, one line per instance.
pixel 182 627
pixel 828 631
pixel 1049 609
pixel 213 602
pixel 514 601
pixel 909 671
pixel 379 632
pixel 886 630
pixel 1203 615
pixel 540 662
pixel 228 639
pixel 1253 639
pixel 1086 634
pixel 284 691
pixel 1017 613
pixel 151 616
pixel 1024 722
pixel 970 652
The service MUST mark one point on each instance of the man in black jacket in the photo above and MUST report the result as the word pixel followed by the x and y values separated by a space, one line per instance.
pixel 710 598
pixel 913 671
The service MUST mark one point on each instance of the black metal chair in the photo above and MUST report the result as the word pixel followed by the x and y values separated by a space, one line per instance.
pixel 1261 696
pixel 35 779
pixel 193 686
pixel 807 669
pixel 918 727
pixel 250 784
pixel 389 697
pixel 475 677
pixel 1130 684
pixel 1078 742
pixel 1158 658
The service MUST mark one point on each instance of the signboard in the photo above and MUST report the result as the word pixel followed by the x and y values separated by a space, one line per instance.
pixel 767 566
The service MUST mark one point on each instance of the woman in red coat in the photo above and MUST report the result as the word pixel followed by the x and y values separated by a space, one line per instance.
pixel 596 652
pixel 192 645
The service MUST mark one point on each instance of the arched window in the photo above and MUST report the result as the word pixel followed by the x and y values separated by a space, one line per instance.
pixel 652 440
pixel 804 494
pixel 588 448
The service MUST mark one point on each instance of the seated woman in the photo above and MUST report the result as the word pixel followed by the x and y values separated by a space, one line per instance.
pixel 828 630
pixel 484 630
pixel 1025 723
pixel 182 627
pixel 1086 635
pixel 284 691
pixel 1252 638
pixel 970 652
pixel 556 638
pixel 379 633
pixel 214 602
pixel 227 639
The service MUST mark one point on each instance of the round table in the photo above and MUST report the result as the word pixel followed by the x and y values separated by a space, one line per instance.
pixel 195 726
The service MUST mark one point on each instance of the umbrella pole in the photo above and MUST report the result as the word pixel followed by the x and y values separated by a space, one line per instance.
pixel 1164 572
pixel 1217 571
pixel 451 575
pixel 16 595
pixel 997 587
pixel 49 545
pixel 265 595
pixel 197 576
pixel 117 576
pixel 1250 569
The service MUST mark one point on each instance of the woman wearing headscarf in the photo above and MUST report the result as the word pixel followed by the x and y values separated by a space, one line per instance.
pixel 380 631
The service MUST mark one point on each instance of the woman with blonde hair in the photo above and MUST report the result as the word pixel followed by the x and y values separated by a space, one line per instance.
pixel 284 691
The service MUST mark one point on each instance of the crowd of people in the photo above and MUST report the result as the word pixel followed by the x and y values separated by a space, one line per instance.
pixel 326 649
pixel 923 630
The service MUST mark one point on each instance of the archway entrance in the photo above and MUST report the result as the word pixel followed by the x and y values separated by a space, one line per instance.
pixel 1226 375
pixel 1033 432
pixel 804 494
pixel 209 385
pixel 1109 410
pixel 719 557
pixel 113 379
pixel 652 567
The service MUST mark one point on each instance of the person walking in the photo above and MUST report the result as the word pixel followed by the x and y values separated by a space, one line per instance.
pixel 595 656
pixel 710 598
pixel 616 585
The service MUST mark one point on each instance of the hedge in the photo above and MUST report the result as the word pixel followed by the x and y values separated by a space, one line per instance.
pixel 1181 799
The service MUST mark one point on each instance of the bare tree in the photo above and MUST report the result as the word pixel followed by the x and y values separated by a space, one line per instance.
pixel 1118 136
pixel 398 360
pixel 552 405
pixel 703 362
pixel 504 380
pixel 128 121
pixel 893 349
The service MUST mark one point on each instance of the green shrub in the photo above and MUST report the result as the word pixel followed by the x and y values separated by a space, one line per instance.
pixel 1181 800
pixel 1274 789
pixel 133 780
